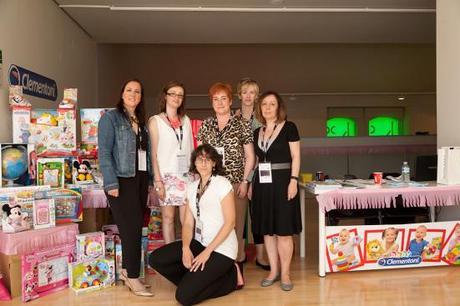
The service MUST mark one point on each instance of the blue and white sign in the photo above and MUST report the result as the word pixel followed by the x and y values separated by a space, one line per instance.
pixel 33 84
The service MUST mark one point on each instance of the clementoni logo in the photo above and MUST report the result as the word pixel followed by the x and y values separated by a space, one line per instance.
pixel 32 83
pixel 400 261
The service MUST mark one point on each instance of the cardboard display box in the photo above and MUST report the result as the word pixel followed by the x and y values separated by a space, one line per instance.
pixel 10 266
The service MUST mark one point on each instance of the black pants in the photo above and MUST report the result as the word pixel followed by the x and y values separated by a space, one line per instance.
pixel 128 213
pixel 218 278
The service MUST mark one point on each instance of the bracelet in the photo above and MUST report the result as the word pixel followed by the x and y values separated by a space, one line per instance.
pixel 295 177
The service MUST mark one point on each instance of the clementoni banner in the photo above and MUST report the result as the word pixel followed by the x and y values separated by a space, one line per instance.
pixel 369 247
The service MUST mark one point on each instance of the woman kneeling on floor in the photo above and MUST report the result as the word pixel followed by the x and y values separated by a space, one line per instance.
pixel 202 265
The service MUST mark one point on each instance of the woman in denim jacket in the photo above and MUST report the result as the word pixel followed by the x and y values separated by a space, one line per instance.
pixel 123 154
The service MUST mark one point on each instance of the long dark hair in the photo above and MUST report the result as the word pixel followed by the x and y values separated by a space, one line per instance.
pixel 211 153
pixel 140 108
pixel 164 92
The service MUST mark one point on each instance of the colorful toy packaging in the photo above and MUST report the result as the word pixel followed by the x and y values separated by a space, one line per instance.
pixel 54 132
pixel 17 207
pixel 45 272
pixel 44 211
pixel 90 246
pixel 92 275
pixel 50 171
pixel 154 226
pixel 21 123
pixel 68 203
pixel 89 123
pixel 370 247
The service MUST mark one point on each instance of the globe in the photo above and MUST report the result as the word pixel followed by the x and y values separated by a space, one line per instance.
pixel 14 162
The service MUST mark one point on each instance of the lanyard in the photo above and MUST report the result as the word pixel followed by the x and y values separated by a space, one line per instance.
pixel 199 195
pixel 179 139
pixel 265 144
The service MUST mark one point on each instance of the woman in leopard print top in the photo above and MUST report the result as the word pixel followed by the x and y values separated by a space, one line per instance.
pixel 232 137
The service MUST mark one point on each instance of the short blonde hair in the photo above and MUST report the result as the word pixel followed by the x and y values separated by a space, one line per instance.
pixel 247 82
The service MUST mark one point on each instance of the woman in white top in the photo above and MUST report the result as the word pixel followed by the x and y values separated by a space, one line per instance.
pixel 202 265
pixel 172 144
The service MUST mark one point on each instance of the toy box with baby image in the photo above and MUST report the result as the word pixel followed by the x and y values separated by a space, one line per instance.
pixel 383 243
pixel 92 275
pixel 45 271
pixel 344 251
pixel 451 247
pixel 50 171
pixel 90 246
pixel 426 242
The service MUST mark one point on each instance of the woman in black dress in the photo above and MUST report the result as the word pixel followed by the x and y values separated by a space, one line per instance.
pixel 275 201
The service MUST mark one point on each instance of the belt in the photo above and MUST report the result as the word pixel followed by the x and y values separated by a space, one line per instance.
pixel 280 166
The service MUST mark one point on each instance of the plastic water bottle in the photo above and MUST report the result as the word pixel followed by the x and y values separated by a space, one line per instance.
pixel 405 171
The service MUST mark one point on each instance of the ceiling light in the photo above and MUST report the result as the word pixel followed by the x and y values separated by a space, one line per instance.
pixel 250 9
pixel 401 98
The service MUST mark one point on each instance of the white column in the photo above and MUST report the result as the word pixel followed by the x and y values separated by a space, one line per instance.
pixel 448 81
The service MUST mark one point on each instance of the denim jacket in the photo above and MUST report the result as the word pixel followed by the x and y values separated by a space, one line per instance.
pixel 117 149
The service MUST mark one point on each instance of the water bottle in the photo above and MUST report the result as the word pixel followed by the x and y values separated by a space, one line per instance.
pixel 405 171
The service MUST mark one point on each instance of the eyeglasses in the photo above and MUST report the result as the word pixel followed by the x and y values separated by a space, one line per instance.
pixel 203 160
pixel 174 95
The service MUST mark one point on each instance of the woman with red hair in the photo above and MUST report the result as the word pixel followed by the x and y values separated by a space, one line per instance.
pixel 232 137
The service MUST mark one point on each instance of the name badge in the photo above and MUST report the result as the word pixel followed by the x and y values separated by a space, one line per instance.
pixel 221 152
pixel 142 160
pixel 199 230
pixel 182 166
pixel 265 173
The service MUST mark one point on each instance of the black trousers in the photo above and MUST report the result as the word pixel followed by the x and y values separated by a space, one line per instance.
pixel 128 213
pixel 218 278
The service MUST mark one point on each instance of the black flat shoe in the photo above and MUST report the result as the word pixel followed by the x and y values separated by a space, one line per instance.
pixel 265 267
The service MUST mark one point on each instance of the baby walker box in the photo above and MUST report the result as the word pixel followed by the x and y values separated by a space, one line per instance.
pixel 92 275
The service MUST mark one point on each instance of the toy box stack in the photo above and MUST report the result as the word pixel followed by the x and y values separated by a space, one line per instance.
pixel 92 270
pixel 41 186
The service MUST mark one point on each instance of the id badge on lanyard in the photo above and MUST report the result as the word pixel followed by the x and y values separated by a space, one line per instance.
pixel 265 173
pixel 142 160
pixel 199 230
pixel 182 166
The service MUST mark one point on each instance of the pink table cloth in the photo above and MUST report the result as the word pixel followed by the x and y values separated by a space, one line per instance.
pixel 33 240
pixel 94 198
pixel 439 195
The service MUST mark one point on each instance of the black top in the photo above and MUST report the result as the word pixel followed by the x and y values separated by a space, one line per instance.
pixel 279 151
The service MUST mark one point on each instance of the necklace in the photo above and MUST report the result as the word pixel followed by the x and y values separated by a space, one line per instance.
pixel 133 119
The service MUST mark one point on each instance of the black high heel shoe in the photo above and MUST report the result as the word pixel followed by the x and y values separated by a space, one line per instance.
pixel 265 267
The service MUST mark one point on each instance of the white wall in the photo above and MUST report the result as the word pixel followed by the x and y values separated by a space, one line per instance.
pixel 37 35
pixel 448 81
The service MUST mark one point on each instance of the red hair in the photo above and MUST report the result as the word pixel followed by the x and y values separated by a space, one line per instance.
pixel 218 87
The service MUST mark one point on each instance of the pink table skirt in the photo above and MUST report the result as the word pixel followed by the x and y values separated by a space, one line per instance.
pixel 33 240
pixel 94 198
pixel 385 197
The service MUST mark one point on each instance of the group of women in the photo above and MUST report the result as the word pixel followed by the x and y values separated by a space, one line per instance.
pixel 253 153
